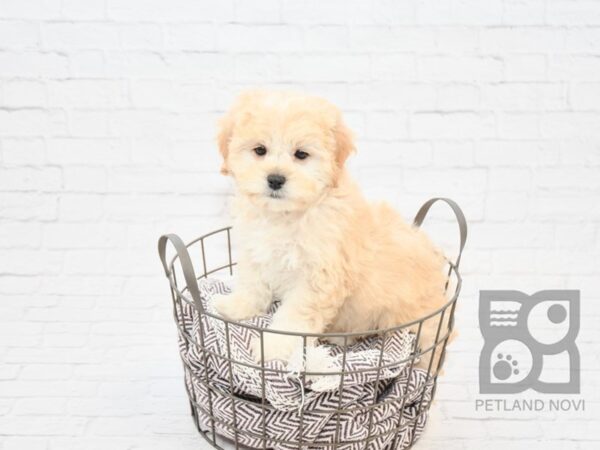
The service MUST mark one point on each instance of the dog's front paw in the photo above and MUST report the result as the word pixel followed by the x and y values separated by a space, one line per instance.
pixel 276 346
pixel 234 307
pixel 341 341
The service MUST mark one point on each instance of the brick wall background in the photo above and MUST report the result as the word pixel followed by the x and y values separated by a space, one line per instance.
pixel 107 118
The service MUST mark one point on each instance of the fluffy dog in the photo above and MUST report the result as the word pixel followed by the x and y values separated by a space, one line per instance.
pixel 308 237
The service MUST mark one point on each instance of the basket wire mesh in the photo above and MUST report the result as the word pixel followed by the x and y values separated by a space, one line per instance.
pixel 185 294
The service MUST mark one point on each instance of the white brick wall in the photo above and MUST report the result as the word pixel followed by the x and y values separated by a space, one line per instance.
pixel 107 117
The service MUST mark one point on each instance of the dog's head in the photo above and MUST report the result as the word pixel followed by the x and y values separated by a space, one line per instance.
pixel 284 150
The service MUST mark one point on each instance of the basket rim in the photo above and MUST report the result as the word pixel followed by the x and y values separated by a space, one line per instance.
pixel 346 335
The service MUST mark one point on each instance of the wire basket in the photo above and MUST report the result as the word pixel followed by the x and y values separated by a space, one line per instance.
pixel 381 413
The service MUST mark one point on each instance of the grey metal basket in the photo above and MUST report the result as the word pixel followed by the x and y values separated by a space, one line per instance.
pixel 205 393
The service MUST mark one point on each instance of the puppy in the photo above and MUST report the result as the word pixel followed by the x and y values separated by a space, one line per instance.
pixel 308 237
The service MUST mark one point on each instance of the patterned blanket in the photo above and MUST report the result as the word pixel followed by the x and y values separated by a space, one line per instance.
pixel 382 404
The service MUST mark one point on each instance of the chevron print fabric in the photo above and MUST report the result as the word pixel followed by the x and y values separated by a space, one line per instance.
pixel 278 408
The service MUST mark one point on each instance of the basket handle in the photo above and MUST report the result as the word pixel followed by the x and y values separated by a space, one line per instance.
pixel 186 265
pixel 460 218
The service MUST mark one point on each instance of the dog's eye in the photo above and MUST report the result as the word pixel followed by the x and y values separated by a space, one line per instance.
pixel 260 150
pixel 300 154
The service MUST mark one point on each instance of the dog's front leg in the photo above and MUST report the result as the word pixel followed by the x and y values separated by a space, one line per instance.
pixel 251 295
pixel 303 310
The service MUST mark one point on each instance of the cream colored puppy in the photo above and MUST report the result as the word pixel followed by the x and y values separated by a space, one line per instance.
pixel 307 236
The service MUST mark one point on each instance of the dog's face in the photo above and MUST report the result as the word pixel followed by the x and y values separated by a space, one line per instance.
pixel 284 150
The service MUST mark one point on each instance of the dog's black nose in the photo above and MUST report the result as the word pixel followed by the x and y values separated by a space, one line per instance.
pixel 275 181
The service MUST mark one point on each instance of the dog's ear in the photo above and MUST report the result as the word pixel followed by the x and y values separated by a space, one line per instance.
pixel 344 145
pixel 344 142
pixel 225 129
pixel 238 113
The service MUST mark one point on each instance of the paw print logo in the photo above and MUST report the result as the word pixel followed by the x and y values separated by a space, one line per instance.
pixel 526 338
pixel 505 367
